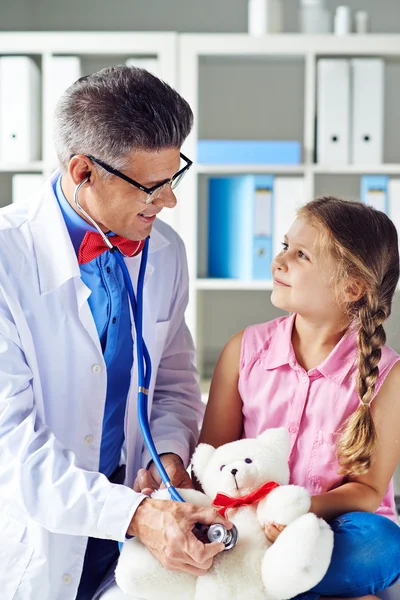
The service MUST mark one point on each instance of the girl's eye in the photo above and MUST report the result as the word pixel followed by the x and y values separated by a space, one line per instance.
pixel 248 460
pixel 221 467
pixel 284 246
pixel 302 255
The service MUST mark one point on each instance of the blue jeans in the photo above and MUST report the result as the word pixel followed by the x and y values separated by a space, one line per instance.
pixel 365 560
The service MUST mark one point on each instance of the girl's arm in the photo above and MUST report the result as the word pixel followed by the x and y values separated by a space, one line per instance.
pixel 223 419
pixel 366 492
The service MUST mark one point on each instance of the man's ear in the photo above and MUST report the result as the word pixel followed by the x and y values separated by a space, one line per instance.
pixel 355 290
pixel 201 458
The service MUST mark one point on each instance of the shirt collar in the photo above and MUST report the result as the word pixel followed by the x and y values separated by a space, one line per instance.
pixel 76 225
pixel 54 252
pixel 335 367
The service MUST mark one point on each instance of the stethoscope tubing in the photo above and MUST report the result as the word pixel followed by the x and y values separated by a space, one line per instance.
pixel 144 367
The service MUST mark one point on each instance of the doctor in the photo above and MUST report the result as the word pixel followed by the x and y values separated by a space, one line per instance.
pixel 69 435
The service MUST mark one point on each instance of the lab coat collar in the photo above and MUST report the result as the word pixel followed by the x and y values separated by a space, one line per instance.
pixel 55 254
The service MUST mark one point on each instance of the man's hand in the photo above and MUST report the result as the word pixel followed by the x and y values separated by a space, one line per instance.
pixel 165 527
pixel 149 480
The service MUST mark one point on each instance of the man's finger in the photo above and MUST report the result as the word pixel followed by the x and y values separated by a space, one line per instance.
pixel 209 516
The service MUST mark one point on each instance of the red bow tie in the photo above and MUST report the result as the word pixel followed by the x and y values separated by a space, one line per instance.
pixel 223 502
pixel 93 245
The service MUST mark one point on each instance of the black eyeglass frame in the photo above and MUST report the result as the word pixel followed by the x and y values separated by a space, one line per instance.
pixel 136 184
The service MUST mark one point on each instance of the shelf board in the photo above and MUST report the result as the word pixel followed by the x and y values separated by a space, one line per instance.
pixel 382 169
pixel 245 168
pixel 232 284
pixel 31 167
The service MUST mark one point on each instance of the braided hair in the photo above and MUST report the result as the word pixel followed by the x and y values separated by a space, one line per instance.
pixel 364 243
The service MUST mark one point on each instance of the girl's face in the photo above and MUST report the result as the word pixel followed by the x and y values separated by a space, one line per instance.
pixel 303 273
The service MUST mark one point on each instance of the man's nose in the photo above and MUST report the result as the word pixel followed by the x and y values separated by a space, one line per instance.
pixel 166 199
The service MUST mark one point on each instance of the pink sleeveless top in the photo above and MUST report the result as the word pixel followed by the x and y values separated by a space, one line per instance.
pixel 277 392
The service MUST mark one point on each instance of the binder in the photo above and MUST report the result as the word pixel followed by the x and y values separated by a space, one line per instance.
pixel 239 227
pixel 24 187
pixel 289 196
pixel 262 227
pixel 367 110
pixel 394 203
pixel 333 112
pixel 374 192
pixel 19 110
pixel 63 71
pixel 249 152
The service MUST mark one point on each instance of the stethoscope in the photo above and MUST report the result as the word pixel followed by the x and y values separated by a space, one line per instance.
pixel 216 532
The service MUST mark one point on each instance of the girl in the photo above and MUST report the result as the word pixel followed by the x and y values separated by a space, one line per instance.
pixel 325 374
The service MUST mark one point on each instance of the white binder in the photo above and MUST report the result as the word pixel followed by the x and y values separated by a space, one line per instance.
pixel 289 196
pixel 24 187
pixel 367 110
pixel 394 203
pixel 333 112
pixel 62 72
pixel 19 110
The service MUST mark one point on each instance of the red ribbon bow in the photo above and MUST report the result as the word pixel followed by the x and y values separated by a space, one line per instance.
pixel 93 245
pixel 223 502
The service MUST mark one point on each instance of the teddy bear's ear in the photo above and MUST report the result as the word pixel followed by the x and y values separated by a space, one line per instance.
pixel 201 458
pixel 277 438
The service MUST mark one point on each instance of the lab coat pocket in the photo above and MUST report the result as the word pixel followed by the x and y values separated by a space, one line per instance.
pixel 14 555
pixel 323 465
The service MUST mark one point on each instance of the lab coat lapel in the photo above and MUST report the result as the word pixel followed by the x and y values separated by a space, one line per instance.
pixel 56 258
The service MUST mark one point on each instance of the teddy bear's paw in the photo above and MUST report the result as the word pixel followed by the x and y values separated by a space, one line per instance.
pixel 284 504
pixel 140 575
pixel 299 558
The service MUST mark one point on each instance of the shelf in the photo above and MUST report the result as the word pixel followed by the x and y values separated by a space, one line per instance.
pixel 290 44
pixel 232 169
pixel 383 169
pixel 389 169
pixel 233 284
pixel 32 167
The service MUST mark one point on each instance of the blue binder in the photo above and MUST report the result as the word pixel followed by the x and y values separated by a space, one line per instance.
pixel 374 191
pixel 239 227
pixel 267 152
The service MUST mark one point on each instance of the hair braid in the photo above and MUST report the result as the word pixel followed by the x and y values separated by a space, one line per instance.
pixel 359 439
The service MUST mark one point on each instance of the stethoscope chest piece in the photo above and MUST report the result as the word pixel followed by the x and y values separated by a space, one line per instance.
pixel 219 533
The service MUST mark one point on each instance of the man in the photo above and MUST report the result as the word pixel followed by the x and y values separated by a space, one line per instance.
pixel 69 434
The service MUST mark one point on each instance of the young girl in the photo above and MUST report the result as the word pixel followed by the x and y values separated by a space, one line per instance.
pixel 325 374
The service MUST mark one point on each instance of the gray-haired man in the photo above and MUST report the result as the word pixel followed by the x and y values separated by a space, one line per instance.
pixel 69 433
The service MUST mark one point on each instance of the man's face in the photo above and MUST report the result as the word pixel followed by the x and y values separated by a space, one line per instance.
pixel 118 206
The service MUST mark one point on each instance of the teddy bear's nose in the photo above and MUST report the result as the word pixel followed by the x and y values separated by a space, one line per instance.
pixel 234 471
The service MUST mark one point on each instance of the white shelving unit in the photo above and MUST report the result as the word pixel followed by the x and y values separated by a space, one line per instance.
pixel 197 52
pixel 96 50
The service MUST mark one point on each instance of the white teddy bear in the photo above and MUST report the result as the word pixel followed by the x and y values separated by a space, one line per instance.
pixel 254 568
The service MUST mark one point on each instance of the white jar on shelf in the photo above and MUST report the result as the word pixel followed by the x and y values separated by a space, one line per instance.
pixel 264 17
pixel 314 17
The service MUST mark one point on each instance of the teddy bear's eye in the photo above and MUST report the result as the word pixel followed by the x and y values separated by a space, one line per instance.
pixel 248 460
pixel 221 467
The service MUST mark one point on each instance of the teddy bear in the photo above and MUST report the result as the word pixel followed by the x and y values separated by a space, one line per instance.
pixel 247 480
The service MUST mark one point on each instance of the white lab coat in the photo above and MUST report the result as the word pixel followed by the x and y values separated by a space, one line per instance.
pixel 52 396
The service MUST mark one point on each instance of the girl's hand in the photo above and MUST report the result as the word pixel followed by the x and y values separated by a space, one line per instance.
pixel 272 531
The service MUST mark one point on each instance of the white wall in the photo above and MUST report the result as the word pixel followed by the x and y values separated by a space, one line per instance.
pixel 166 15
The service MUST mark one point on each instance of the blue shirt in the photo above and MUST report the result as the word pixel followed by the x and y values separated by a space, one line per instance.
pixel 110 309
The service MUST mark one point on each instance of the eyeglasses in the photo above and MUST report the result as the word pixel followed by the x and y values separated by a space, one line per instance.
pixel 155 191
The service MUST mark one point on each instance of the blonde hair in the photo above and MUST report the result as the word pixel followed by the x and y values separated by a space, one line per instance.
pixel 363 241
